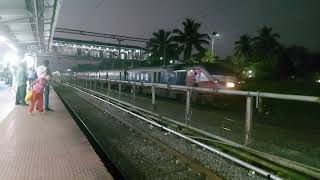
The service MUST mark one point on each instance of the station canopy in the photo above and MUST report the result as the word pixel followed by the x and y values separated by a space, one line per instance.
pixel 28 24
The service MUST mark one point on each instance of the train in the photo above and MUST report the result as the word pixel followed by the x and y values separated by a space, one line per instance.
pixel 207 76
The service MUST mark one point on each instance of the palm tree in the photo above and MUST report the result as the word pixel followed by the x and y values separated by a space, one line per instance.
pixel 266 42
pixel 162 46
pixel 244 47
pixel 190 39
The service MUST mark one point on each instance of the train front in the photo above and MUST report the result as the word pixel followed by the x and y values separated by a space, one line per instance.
pixel 209 77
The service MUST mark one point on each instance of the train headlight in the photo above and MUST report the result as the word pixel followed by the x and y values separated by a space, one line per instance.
pixel 230 85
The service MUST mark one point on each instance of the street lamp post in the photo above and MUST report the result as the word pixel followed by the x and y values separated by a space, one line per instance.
pixel 212 35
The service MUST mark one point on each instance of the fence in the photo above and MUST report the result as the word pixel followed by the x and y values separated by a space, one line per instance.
pixel 92 83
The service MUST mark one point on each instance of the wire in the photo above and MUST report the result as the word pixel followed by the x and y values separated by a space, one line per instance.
pixel 85 19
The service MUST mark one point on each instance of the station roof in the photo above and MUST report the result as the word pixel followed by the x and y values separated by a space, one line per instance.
pixel 29 24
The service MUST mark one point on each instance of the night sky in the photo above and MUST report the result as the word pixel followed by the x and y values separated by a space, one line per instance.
pixel 297 21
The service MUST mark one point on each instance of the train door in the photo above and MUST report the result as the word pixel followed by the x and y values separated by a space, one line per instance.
pixel 180 77
pixel 192 76
pixel 156 77
pixel 196 77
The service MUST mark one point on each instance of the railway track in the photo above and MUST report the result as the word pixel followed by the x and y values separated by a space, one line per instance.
pixel 193 136
pixel 152 159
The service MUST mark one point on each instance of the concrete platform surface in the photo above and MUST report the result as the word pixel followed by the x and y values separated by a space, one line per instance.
pixel 7 100
pixel 46 146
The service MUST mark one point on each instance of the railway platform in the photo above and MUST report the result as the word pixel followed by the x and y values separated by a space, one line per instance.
pixel 44 146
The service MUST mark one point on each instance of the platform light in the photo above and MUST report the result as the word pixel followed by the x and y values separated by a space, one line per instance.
pixel 30 61
pixel 3 39
pixel 150 54
pixel 12 47
pixel 6 42
pixel 230 85
pixel 161 58
pixel 68 70
pixel 171 61
pixel 318 81
pixel 11 58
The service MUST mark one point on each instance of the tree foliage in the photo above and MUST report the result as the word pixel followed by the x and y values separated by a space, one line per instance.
pixel 244 47
pixel 162 46
pixel 266 43
pixel 208 57
pixel 187 43
pixel 261 52
pixel 190 41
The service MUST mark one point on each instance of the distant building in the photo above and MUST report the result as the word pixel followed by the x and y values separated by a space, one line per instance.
pixel 70 47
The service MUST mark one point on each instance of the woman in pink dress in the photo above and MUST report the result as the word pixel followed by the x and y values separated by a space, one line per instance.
pixel 37 93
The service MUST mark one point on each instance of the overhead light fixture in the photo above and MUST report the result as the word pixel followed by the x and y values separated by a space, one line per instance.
pixel 11 46
pixel 3 39
pixel 11 58
pixel 30 61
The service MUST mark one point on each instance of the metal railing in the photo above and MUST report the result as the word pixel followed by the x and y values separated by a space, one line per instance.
pixel 250 95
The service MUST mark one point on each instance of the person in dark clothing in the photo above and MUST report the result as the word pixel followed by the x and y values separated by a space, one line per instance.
pixel 21 78
pixel 47 87
pixel 8 76
pixel 31 75
pixel 195 79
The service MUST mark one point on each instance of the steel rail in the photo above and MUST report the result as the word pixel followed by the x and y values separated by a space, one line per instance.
pixel 313 99
pixel 308 170
pixel 57 6
pixel 37 22
pixel 211 149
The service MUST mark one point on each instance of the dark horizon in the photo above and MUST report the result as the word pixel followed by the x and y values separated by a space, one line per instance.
pixel 295 21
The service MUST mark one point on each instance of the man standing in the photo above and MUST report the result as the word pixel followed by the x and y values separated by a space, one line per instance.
pixel 47 87
pixel 21 79
pixel 31 75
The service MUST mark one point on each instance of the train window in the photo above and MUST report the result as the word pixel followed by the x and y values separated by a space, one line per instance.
pixel 203 77
pixel 171 78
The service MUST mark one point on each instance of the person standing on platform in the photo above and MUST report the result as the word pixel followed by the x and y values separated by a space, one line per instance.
pixel 37 93
pixel 8 76
pixel 195 79
pixel 31 76
pixel 21 80
pixel 41 72
pixel 47 87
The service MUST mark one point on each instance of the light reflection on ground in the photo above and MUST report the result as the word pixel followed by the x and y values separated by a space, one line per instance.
pixel 7 97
